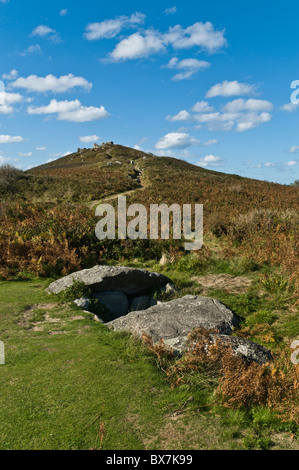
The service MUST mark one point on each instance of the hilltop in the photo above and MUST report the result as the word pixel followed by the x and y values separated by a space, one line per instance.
pixel 49 210
pixel 90 175
pixel 249 262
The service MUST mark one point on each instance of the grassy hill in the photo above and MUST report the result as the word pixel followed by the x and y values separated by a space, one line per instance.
pixel 249 261
pixel 252 218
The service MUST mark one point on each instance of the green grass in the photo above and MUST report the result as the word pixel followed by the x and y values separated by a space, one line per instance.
pixel 65 374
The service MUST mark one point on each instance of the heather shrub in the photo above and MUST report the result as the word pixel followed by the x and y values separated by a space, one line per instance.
pixel 9 176
pixel 236 381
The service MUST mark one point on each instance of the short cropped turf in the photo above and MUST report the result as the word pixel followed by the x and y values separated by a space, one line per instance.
pixel 70 383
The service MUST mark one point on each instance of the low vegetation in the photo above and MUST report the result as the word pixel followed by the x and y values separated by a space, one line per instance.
pixel 70 383
pixel 63 367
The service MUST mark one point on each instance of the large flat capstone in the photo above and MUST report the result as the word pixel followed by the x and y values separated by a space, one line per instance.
pixel 130 281
pixel 173 321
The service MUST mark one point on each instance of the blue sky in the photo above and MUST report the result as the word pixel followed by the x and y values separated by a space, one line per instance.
pixel 209 82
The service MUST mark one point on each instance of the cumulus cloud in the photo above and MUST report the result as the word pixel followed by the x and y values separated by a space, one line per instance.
pixel 111 28
pixel 21 154
pixel 294 149
pixel 89 139
pixel 10 98
pixel 253 105
pixel 5 109
pixel 55 107
pixel 72 111
pixel 210 161
pixel 252 120
pixel 292 163
pixel 148 42
pixel 176 140
pixel 33 83
pixel 207 117
pixel 44 31
pixel 63 12
pixel 233 88
pixel 170 11
pixel 181 116
pixel 84 114
pixel 289 107
pixel 7 100
pixel 189 67
pixel 202 35
pixel 202 107
pixel 12 75
pixel 137 46
pixel 239 114
pixel 210 142
pixel 34 48
pixel 8 139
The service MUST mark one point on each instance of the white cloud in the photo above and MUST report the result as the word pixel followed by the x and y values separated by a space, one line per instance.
pixel 55 107
pixel 4 109
pixel 294 149
pixel 210 160
pixel 240 115
pixel 181 116
pixel 170 11
pixel 250 105
pixel 8 139
pixel 138 145
pixel 202 35
pixel 148 42
pixel 202 107
pixel 227 121
pixel 7 100
pixel 111 28
pixel 292 163
pixel 252 120
pixel 176 140
pixel 10 98
pixel 41 149
pixel 137 46
pixel 233 88
pixel 189 66
pixel 89 139
pixel 63 12
pixel 29 154
pixel 72 111
pixel 51 83
pixel 220 125
pixel 84 114
pixel 289 107
pixel 44 31
pixel 34 48
pixel 210 142
pixel 270 165
pixel 12 75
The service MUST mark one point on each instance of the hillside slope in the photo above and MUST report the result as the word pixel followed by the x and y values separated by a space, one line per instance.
pixel 95 174
pixel 49 210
